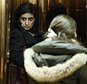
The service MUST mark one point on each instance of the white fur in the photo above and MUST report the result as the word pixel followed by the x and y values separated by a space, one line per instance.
pixel 55 73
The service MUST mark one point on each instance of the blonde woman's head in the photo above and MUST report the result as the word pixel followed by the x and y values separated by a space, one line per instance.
pixel 64 26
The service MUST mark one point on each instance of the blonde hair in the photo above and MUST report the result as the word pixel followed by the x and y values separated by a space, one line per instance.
pixel 64 26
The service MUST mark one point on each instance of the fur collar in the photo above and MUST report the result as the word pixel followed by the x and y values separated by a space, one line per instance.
pixel 54 73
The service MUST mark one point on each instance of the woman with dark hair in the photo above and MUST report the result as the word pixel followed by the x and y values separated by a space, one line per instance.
pixel 24 34
pixel 26 8
pixel 60 58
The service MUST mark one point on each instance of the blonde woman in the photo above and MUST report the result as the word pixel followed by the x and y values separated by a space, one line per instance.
pixel 60 58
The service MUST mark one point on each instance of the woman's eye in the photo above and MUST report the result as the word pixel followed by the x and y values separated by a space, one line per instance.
pixel 31 18
pixel 23 18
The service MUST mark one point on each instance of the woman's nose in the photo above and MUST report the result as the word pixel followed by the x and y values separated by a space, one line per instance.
pixel 27 22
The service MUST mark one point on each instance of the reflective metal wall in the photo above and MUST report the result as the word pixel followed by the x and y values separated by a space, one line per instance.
pixel 75 8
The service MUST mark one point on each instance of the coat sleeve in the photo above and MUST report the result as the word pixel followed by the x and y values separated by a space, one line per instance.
pixel 16 48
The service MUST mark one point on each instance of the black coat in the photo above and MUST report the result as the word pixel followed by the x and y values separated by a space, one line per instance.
pixel 19 40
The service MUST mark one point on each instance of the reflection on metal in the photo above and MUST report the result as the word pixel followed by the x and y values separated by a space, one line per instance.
pixel 33 1
pixel 60 1
pixel 73 9
pixel 2 43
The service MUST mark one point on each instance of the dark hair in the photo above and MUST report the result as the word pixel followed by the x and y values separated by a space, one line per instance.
pixel 25 8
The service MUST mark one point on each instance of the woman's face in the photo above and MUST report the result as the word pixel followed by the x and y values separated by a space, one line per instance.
pixel 27 20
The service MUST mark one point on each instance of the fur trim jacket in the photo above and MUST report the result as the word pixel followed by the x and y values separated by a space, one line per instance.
pixel 50 61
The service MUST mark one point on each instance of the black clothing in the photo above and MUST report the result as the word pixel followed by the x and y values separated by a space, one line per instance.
pixel 19 40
